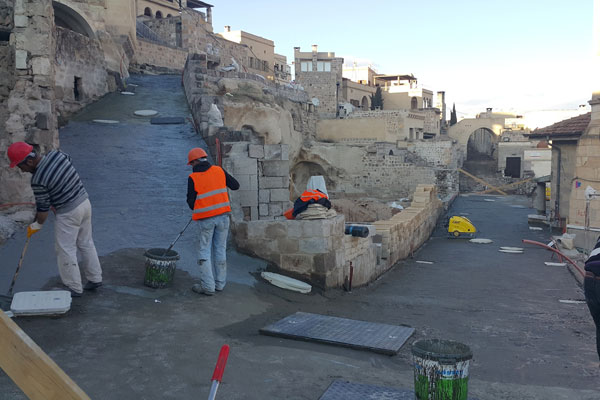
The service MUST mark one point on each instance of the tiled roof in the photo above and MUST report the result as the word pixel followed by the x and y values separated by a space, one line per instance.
pixel 572 127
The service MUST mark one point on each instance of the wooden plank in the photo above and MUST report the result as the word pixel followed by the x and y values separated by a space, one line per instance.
pixel 32 370
pixel 492 187
pixel 506 186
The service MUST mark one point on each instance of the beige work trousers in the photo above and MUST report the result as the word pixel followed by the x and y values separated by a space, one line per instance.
pixel 73 232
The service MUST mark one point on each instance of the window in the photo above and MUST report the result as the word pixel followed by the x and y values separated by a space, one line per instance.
pixel 265 66
pixel 305 66
pixel 323 66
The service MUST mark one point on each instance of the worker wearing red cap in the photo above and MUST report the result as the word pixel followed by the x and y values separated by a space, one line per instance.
pixel 56 184
pixel 208 198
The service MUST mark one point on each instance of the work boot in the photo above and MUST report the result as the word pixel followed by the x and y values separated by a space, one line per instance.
pixel 200 290
pixel 73 293
pixel 92 285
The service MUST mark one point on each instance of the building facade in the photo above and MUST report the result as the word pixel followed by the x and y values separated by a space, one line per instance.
pixel 320 73
pixel 261 57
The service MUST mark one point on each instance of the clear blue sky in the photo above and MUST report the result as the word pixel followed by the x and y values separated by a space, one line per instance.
pixel 515 55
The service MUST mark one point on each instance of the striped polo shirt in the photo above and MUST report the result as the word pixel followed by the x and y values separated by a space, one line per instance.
pixel 56 183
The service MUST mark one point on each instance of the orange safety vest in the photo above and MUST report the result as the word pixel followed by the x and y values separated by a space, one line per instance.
pixel 312 195
pixel 211 193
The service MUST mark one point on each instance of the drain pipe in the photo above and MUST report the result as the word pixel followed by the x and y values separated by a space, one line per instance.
pixel 557 201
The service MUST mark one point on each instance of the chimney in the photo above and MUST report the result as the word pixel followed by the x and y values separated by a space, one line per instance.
pixel 227 28
pixel 314 48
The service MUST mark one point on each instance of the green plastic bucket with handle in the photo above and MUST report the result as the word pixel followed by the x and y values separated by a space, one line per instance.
pixel 441 369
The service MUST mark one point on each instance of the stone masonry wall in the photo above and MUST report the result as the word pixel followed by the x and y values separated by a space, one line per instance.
pixel 318 251
pixel 78 57
pixel 263 173
pixel 27 90
pixel 167 29
pixel 153 57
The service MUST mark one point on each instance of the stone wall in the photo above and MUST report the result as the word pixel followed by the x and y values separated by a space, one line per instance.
pixel 356 170
pixel 319 252
pixel 442 153
pixel 167 29
pixel 81 62
pixel 27 90
pixel 263 174
pixel 156 58
pixel 407 231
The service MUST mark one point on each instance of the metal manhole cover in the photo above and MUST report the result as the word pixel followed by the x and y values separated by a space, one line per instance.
pixel 380 338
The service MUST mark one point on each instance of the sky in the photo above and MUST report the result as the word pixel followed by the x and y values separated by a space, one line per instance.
pixel 511 55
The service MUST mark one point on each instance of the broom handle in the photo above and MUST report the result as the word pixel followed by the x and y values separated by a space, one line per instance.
pixel 12 284
pixel 178 236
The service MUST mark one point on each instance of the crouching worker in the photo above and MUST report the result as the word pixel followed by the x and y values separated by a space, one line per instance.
pixel 208 198
pixel 56 184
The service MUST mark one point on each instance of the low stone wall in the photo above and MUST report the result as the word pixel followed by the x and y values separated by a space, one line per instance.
pixel 153 57
pixel 319 252
pixel 407 231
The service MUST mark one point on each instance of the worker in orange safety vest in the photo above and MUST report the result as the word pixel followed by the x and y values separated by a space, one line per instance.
pixel 207 197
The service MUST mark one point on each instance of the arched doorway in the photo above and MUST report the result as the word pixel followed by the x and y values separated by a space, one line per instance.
pixel 481 159
pixel 413 103
pixel 67 18
pixel 481 145
pixel 364 104
pixel 147 12
pixel 159 14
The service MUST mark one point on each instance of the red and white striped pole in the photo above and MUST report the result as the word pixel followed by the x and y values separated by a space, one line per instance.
pixel 219 370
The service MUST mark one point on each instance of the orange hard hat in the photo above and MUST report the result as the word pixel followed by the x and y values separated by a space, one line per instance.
pixel 18 152
pixel 195 154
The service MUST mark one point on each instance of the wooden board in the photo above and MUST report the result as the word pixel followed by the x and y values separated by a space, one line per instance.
pixel 32 370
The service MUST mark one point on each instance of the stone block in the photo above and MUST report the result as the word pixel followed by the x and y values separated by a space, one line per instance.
pixel 20 59
pixel 314 245
pixel 276 230
pixel 256 229
pixel 254 213
pixel 21 21
pixel 316 228
pixel 275 168
pixel 263 209
pixel 299 263
pixel 243 180
pixel 294 229
pixel 274 152
pixel 264 196
pixel 256 151
pixel 244 165
pixel 246 197
pixel 275 209
pixel 270 182
pixel 287 246
pixel 253 182
pixel 280 195
pixel 41 121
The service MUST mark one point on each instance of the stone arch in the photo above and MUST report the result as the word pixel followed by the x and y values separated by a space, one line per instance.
pixel 364 103
pixel 413 103
pixel 481 145
pixel 461 131
pixel 159 14
pixel 169 15
pixel 148 11
pixel 66 17
pixel 301 173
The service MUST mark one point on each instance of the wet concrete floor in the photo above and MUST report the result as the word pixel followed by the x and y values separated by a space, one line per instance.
pixel 127 341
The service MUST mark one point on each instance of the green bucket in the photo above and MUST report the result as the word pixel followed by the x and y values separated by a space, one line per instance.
pixel 160 267
pixel 441 369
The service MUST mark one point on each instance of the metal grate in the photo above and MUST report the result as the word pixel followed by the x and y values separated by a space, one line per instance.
pixel 380 338
pixel 341 390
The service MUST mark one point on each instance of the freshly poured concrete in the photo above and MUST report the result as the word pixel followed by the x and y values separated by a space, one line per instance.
pixel 127 341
